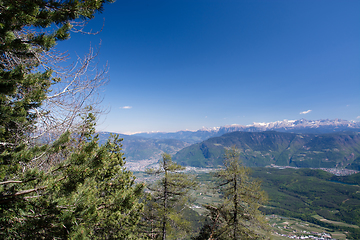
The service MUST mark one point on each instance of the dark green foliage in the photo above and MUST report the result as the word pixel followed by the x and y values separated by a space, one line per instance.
pixel 351 179
pixel 355 164
pixel 283 149
pixel 205 233
pixel 89 193
pixel 71 188
pixel 26 35
pixel 303 193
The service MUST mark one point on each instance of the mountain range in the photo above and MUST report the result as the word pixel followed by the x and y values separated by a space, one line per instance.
pixel 300 133
pixel 294 126
pixel 139 148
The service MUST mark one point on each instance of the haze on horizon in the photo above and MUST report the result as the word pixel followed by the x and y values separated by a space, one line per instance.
pixel 186 64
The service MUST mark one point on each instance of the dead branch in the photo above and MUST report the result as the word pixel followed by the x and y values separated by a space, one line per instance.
pixel 10 181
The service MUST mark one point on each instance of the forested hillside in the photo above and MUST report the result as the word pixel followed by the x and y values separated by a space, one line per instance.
pixel 284 149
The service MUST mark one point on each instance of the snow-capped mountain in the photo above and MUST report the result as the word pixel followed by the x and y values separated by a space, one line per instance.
pixel 295 126
pixel 302 125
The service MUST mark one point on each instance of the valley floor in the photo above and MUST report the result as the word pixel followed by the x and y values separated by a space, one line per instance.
pixel 285 228
pixel 328 207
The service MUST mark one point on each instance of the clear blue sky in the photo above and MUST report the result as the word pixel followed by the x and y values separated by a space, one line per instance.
pixel 185 64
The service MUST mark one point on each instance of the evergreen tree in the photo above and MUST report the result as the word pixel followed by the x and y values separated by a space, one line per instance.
pixel 238 216
pixel 29 30
pixel 70 187
pixel 89 194
pixel 167 201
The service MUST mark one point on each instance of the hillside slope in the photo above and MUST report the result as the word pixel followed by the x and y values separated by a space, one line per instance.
pixel 138 148
pixel 279 148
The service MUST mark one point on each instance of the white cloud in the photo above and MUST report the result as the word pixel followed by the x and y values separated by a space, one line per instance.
pixel 358 117
pixel 305 112
pixel 125 107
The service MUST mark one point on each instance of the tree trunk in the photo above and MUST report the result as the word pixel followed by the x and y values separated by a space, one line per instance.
pixel 235 208
pixel 165 206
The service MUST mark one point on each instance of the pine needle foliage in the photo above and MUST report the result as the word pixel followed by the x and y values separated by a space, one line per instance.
pixel 168 198
pixel 238 216
pixel 89 195
pixel 29 31
pixel 70 187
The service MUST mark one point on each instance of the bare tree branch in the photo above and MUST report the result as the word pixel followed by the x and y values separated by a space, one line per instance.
pixel 10 181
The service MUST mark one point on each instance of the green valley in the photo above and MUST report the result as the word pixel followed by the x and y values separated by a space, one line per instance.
pixel 314 196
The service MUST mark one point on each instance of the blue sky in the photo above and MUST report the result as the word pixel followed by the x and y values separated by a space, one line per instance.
pixel 188 64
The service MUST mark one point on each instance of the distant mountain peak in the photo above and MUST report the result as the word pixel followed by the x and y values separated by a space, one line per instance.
pixel 301 123
pixel 206 129
pixel 296 126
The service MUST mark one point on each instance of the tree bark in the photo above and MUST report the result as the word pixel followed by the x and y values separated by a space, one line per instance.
pixel 165 206
pixel 235 208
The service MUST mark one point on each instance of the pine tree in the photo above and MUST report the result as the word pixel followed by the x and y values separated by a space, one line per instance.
pixel 70 187
pixel 238 216
pixel 88 195
pixel 29 31
pixel 168 199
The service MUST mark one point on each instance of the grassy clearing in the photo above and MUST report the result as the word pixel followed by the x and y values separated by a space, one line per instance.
pixel 335 222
